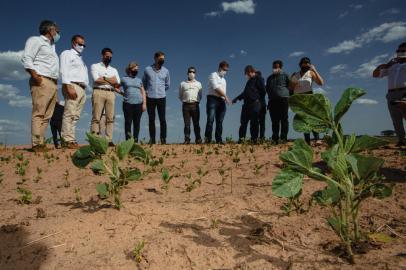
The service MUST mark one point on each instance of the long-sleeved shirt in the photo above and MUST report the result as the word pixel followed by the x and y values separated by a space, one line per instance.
pixel 277 85
pixel 396 75
pixel 254 89
pixel 132 90
pixel 156 82
pixel 190 91
pixel 40 55
pixel 216 82
pixel 100 70
pixel 72 68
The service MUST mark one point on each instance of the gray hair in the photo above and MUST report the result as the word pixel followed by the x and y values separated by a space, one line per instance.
pixel 46 26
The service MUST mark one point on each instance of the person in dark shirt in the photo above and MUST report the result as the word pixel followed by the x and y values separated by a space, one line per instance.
pixel 251 95
pixel 262 111
pixel 56 123
pixel 277 88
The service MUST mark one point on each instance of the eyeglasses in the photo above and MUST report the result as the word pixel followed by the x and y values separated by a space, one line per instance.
pixel 192 71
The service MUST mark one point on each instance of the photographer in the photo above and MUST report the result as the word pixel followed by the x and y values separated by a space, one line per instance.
pixel 395 70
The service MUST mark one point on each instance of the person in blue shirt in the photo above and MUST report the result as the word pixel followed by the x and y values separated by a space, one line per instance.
pixel 134 101
pixel 156 81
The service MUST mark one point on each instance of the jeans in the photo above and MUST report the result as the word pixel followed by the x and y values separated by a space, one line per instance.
pixel 278 110
pixel 261 118
pixel 160 105
pixel 249 113
pixel 132 116
pixel 216 109
pixel 191 110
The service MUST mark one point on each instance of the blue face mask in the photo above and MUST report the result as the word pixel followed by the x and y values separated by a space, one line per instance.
pixel 56 37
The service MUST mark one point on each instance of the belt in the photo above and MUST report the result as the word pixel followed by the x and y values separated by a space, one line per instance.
pixel 103 89
pixel 82 85
pixel 49 78
pixel 397 89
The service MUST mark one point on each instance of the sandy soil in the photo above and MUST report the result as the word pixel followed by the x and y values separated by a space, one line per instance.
pixel 232 224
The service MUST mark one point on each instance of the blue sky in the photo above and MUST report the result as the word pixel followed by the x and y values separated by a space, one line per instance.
pixel 344 39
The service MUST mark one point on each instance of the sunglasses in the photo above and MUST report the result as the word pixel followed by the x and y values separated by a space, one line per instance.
pixel 81 44
pixel 192 71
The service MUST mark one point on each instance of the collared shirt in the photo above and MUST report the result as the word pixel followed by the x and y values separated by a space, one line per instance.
pixel 396 75
pixel 216 82
pixel 156 82
pixel 253 91
pixel 132 90
pixel 100 70
pixel 40 55
pixel 277 85
pixel 190 91
pixel 73 69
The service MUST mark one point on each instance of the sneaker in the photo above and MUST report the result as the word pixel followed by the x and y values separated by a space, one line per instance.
pixel 111 144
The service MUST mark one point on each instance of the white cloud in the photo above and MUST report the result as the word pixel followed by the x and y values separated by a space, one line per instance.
pixel 390 11
pixel 337 69
pixel 12 127
pixel 11 67
pixel 366 101
pixel 296 54
pixel 343 14
pixel 242 52
pixel 365 70
pixel 11 93
pixel 385 33
pixel 356 6
pixel 232 55
pixel 238 7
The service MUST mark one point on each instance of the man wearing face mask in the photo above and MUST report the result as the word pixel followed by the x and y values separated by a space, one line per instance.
pixel 106 82
pixel 254 89
pixel 278 93
pixel 42 63
pixel 75 79
pixel 190 94
pixel 216 103
pixel 395 70
pixel 156 82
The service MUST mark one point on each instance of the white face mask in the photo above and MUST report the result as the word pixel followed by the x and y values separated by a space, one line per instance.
pixel 276 70
pixel 191 76
pixel 79 48
pixel 222 73
pixel 401 54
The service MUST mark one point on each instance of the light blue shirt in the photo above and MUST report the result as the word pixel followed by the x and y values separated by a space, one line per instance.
pixel 156 82
pixel 132 90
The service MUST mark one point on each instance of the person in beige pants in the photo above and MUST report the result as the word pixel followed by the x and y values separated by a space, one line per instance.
pixel 42 63
pixel 106 84
pixel 74 82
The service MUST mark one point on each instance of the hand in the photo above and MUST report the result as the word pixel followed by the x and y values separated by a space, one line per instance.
pixel 227 100
pixel 36 80
pixel 144 107
pixel 70 91
pixel 312 68
pixel 117 90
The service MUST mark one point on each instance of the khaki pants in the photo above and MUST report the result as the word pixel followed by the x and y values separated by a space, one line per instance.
pixel 71 114
pixel 103 100
pixel 43 105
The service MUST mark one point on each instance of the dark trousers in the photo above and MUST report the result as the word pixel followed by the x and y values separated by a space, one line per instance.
pixel 278 110
pixel 159 104
pixel 191 111
pixel 249 113
pixel 216 110
pixel 261 118
pixel 132 116
pixel 56 127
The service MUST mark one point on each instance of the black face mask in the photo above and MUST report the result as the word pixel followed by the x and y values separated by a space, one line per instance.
pixel 106 61
pixel 161 62
pixel 134 73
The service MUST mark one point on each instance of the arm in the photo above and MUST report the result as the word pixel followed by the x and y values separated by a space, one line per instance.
pixel 200 93
pixel 217 88
pixel 30 51
pixel 316 76
pixel 144 99
pixel 167 81
pixel 180 92
pixel 67 87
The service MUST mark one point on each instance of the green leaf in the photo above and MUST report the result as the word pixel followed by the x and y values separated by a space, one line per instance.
pixel 328 196
pixel 315 105
pixel 380 237
pixel 366 142
pixel 300 157
pixel 98 166
pixel 306 123
pixel 165 175
pixel 287 184
pixel 103 190
pixel 364 167
pixel 381 191
pixel 124 148
pixel 138 152
pixel 335 225
pixel 349 142
pixel 98 144
pixel 83 156
pixel 345 102
pixel 133 175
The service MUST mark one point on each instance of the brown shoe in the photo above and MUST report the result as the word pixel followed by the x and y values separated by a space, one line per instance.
pixel 71 145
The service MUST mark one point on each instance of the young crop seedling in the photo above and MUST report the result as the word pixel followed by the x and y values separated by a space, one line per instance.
pixel 352 177
pixel 137 251
pixel 66 182
pixel 166 178
pixel 38 177
pixel 21 167
pixel 78 198
pixel 26 196
pixel 257 169
pixel 192 183
pixel 110 162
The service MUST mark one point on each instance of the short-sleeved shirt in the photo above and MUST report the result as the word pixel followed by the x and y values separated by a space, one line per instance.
pixel 216 82
pixel 396 75
pixel 132 90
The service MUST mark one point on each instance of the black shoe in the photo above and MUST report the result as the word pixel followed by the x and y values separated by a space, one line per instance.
pixel 198 141
pixel 111 144
pixel 151 142
pixel 219 142
pixel 401 143
pixel 163 141
pixel 187 142
pixel 207 141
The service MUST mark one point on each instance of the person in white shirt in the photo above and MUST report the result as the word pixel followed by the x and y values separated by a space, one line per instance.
pixel 75 79
pixel 106 82
pixel 395 70
pixel 216 103
pixel 41 62
pixel 190 94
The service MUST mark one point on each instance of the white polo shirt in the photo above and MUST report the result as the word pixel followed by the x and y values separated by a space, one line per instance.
pixel 190 91
pixel 99 70
pixel 216 82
